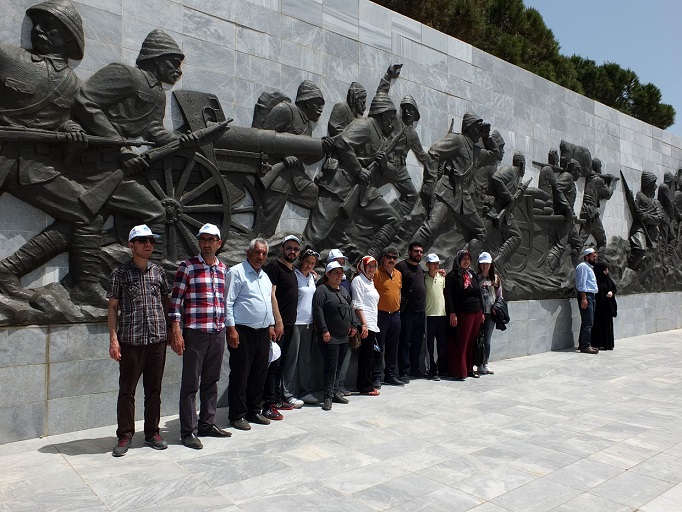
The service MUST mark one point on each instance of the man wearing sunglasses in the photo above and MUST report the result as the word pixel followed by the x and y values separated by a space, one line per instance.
pixel 389 282
pixel 198 300
pixel 137 337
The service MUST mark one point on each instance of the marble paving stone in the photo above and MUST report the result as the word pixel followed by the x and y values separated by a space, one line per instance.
pixel 669 501
pixel 631 489
pixel 397 491
pixel 590 503
pixel 495 482
pixel 623 455
pixel 662 467
pixel 538 496
pixel 584 474
pixel 442 500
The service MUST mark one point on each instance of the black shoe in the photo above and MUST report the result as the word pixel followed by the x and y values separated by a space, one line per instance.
pixel 241 424
pixel 213 431
pixel 271 413
pixel 327 405
pixel 156 442
pixel 122 446
pixel 192 441
pixel 376 384
pixel 405 379
pixel 258 419
pixel 416 374
pixel 434 377
pixel 339 398
pixel 474 375
pixel 393 381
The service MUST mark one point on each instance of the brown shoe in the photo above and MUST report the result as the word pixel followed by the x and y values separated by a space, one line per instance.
pixel 589 350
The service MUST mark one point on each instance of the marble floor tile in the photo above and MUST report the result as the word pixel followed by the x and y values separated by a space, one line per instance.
pixel 397 491
pixel 669 501
pixel 495 482
pixel 442 500
pixel 623 455
pixel 540 495
pixel 632 489
pixel 584 474
pixel 591 503
pixel 662 467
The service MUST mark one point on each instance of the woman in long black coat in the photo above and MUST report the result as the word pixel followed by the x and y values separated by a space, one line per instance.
pixel 606 308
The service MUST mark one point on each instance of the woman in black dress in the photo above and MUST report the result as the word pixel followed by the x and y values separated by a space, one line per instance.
pixel 605 310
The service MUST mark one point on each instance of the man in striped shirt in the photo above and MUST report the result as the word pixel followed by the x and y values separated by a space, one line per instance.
pixel 137 339
pixel 198 301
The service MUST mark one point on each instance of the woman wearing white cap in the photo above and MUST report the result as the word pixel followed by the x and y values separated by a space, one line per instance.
pixel 491 290
pixel 335 320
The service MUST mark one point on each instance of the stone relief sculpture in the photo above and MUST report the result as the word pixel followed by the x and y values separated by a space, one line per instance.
pixel 288 175
pixel 458 156
pixel 65 148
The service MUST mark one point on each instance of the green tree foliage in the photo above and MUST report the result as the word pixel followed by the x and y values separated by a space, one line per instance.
pixel 517 34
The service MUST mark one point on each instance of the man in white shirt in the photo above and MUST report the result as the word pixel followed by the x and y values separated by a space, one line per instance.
pixel 586 285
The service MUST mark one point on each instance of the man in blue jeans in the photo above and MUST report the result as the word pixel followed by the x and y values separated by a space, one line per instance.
pixel 586 285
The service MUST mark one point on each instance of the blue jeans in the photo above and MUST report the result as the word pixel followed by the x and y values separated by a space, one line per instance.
pixel 586 321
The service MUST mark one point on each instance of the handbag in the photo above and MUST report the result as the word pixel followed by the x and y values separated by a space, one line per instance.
pixel 354 342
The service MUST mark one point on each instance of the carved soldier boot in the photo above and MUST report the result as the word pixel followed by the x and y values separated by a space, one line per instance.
pixel 85 267
pixel 36 252
pixel 504 253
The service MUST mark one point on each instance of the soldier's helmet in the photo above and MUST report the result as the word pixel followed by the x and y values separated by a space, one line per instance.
pixel 157 44
pixel 308 90
pixel 409 100
pixel 381 103
pixel 65 12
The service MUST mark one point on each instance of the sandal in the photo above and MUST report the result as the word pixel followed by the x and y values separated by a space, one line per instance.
pixel 374 392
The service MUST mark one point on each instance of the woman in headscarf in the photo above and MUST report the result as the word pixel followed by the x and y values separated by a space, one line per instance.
pixel 365 302
pixel 464 306
pixel 605 310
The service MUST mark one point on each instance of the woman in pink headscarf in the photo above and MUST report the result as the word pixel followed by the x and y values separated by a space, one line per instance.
pixel 365 303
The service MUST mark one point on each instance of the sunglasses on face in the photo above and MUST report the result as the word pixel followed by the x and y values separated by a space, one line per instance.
pixel 143 240
pixel 391 257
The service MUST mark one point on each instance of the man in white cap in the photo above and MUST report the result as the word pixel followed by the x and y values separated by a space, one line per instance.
pixel 284 307
pixel 436 319
pixel 198 301
pixel 586 285
pixel 137 338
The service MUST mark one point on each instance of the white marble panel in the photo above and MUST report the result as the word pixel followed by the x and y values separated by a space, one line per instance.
pixel 309 11
pixel 341 17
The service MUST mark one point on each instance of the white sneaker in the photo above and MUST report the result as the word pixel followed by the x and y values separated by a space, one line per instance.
pixel 488 371
pixel 295 402
pixel 309 399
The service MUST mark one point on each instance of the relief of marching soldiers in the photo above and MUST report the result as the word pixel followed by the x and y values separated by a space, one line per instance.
pixel 66 148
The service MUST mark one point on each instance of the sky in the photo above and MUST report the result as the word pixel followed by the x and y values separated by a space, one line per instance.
pixel 643 35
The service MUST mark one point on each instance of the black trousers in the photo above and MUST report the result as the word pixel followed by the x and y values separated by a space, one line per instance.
pixel 248 368
pixel 149 362
pixel 388 338
pixel 437 330
pixel 272 392
pixel 201 364
pixel 332 357
pixel 365 381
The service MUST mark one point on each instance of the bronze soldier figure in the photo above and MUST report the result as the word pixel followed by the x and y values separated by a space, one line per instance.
pixel 647 218
pixel 598 188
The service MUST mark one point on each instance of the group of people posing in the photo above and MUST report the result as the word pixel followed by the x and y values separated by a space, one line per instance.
pixel 274 316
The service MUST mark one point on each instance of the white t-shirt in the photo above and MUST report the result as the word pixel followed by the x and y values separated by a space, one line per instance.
pixel 366 297
pixel 306 290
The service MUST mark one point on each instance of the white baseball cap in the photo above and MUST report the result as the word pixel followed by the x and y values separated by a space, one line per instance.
pixel 587 251
pixel 432 258
pixel 485 257
pixel 291 237
pixel 209 229
pixel 334 254
pixel 141 230
pixel 331 266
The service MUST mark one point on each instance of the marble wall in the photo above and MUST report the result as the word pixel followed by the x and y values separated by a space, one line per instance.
pixel 60 378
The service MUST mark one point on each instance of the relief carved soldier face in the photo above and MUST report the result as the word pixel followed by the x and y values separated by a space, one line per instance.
pixel 409 114
pixel 49 36
pixel 166 68
pixel 387 120
pixel 360 104
pixel 313 108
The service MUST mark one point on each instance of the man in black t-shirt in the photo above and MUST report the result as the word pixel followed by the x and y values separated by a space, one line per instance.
pixel 284 306
pixel 412 313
